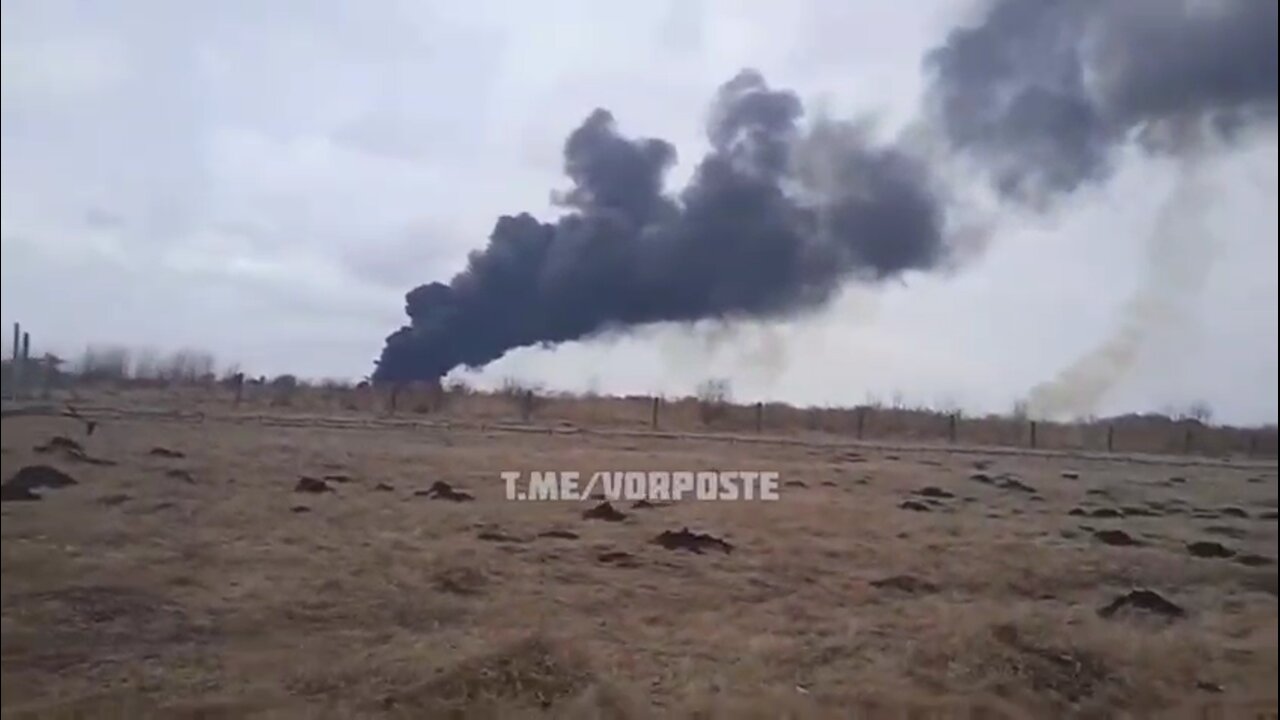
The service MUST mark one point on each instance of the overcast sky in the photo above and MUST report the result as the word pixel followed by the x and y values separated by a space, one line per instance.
pixel 267 180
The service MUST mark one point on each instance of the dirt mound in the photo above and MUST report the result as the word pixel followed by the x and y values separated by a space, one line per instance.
pixel 59 442
pixel 1254 560
pixel 498 536
pixel 1116 537
pixel 180 474
pixel 1012 482
pixel 604 511
pixel 1209 549
pixel 1070 475
pixel 165 452
pixel 309 484
pixel 644 505
pixel 1177 480
pixel 17 493
pixel 1227 531
pixel 1106 513
pixel 1148 601
pixel 1004 481
pixel 339 478
pixel 71 450
pixel 1234 512
pixel 560 534
pixel 1269 515
pixel 1078 512
pixel 909 584
pixel 914 505
pixel 618 558
pixel 441 490
pixel 384 487
pixel 114 499
pixel 25 482
pixel 691 541
pixel 1137 511
pixel 794 484
pixel 299 509
pixel 931 491
pixel 461 580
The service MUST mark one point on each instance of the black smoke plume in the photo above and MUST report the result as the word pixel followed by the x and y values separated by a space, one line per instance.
pixel 755 233
pixel 1039 93
pixel 1042 92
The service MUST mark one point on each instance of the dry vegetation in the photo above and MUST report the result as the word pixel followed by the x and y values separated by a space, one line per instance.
pixel 202 581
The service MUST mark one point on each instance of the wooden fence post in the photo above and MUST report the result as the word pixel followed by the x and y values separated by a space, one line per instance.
pixel 951 428
pixel 1033 433
pixel 15 367
pixel 861 420
pixel 526 405
pixel 653 414
pixel 759 417
pixel 1186 441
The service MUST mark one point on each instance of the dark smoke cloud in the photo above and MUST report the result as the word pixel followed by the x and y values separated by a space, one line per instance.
pixel 751 235
pixel 1041 92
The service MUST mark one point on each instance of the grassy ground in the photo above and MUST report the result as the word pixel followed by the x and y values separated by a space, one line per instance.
pixel 142 591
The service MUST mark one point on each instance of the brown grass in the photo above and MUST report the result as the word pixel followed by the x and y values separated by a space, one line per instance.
pixel 211 598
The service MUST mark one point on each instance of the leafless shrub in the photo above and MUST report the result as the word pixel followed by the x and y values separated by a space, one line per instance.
pixel 283 389
pixel 101 363
pixel 527 397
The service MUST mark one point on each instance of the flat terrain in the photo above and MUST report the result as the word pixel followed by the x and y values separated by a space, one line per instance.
pixel 205 585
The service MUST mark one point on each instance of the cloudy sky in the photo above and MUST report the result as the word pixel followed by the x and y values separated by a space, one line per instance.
pixel 266 180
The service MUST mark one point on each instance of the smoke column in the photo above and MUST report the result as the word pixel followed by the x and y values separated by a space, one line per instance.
pixel 1036 95
pixel 1179 257
pixel 753 235
pixel 1041 93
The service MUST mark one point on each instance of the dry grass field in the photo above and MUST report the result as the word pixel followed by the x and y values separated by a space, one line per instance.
pixel 201 583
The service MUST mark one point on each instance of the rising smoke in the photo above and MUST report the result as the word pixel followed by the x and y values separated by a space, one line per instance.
pixel 753 235
pixel 1178 260
pixel 1038 94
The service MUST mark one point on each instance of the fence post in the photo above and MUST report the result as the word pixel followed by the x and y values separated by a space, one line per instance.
pixel 951 427
pixel 526 405
pixel 239 387
pixel 1111 438
pixel 653 414
pixel 861 420
pixel 15 368
pixel 1253 444
pixel 759 417
pixel 1186 441
pixel 1033 433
